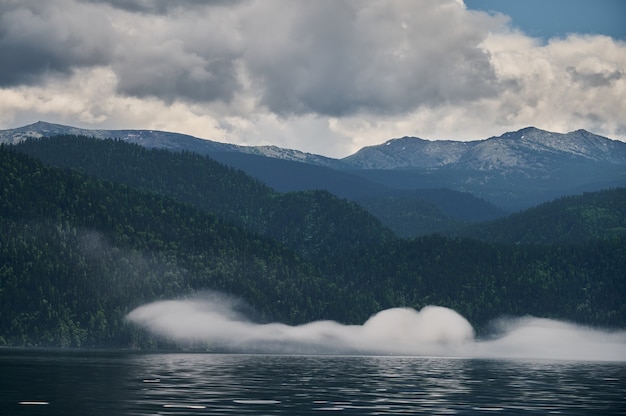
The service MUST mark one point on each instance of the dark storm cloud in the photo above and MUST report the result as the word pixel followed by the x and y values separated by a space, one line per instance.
pixel 158 6
pixel 331 58
pixel 341 58
pixel 184 76
pixel 41 38
pixel 189 56
pixel 311 75
pixel 594 79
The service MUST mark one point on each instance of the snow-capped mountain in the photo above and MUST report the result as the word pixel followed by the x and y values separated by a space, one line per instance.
pixel 408 152
pixel 538 150
pixel 514 171
pixel 529 148
pixel 162 140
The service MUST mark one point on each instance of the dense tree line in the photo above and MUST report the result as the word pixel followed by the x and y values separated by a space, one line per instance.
pixel 409 216
pixel 566 220
pixel 583 283
pixel 78 252
pixel 312 223
pixel 74 247
pixel 418 212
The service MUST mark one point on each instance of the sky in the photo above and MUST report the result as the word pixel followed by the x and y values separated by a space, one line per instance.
pixel 326 76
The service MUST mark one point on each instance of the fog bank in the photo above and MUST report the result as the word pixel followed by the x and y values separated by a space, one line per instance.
pixel 433 330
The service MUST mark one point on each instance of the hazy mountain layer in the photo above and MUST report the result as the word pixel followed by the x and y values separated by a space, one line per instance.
pixel 513 171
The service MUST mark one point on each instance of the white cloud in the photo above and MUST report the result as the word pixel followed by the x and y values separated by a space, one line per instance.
pixel 550 84
pixel 564 85
pixel 88 98
pixel 327 76
pixel 367 57
pixel 433 330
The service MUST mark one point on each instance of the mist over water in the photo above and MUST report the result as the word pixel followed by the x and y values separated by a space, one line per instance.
pixel 433 331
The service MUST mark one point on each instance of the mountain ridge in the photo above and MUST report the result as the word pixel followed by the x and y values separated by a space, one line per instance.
pixel 435 153
pixel 486 154
pixel 513 171
pixel 160 139
pixel 407 152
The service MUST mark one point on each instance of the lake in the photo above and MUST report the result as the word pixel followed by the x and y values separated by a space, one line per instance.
pixel 84 382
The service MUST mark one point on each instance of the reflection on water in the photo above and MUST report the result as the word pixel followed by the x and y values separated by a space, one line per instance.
pixel 114 383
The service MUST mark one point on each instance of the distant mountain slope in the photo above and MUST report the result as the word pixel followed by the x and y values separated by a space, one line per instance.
pixel 528 148
pixel 313 223
pixel 567 220
pixel 289 175
pixel 434 210
pixel 284 170
pixel 514 171
pixel 413 213
pixel 408 153
pixel 161 140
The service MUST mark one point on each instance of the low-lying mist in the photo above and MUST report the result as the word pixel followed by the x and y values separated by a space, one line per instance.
pixel 215 320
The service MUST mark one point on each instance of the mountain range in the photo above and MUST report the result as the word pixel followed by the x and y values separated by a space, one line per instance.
pixel 161 140
pixel 494 176
pixel 92 228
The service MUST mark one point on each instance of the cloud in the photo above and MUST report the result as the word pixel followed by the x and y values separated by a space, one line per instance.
pixel 530 337
pixel 326 76
pixel 566 84
pixel 191 56
pixel 341 58
pixel 325 57
pixel 217 320
pixel 41 39
pixel 214 319
pixel 594 79
pixel 158 6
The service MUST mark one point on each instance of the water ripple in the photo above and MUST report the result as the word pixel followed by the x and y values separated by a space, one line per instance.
pixel 200 384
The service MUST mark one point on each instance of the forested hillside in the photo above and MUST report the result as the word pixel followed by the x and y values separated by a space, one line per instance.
pixel 313 223
pixel 415 213
pixel 233 195
pixel 77 253
pixel 567 220
pixel 408 213
pixel 582 283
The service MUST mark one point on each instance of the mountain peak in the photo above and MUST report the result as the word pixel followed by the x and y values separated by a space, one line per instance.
pixel 518 149
pixel 527 148
pixel 531 129
pixel 522 133
pixel 43 126
pixel 41 123
pixel 407 152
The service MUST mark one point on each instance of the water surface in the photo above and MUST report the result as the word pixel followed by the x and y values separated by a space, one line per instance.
pixel 36 382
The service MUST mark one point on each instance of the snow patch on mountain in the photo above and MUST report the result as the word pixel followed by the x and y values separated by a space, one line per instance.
pixel 529 148
pixel 162 140
pixel 407 152
pixel 526 149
